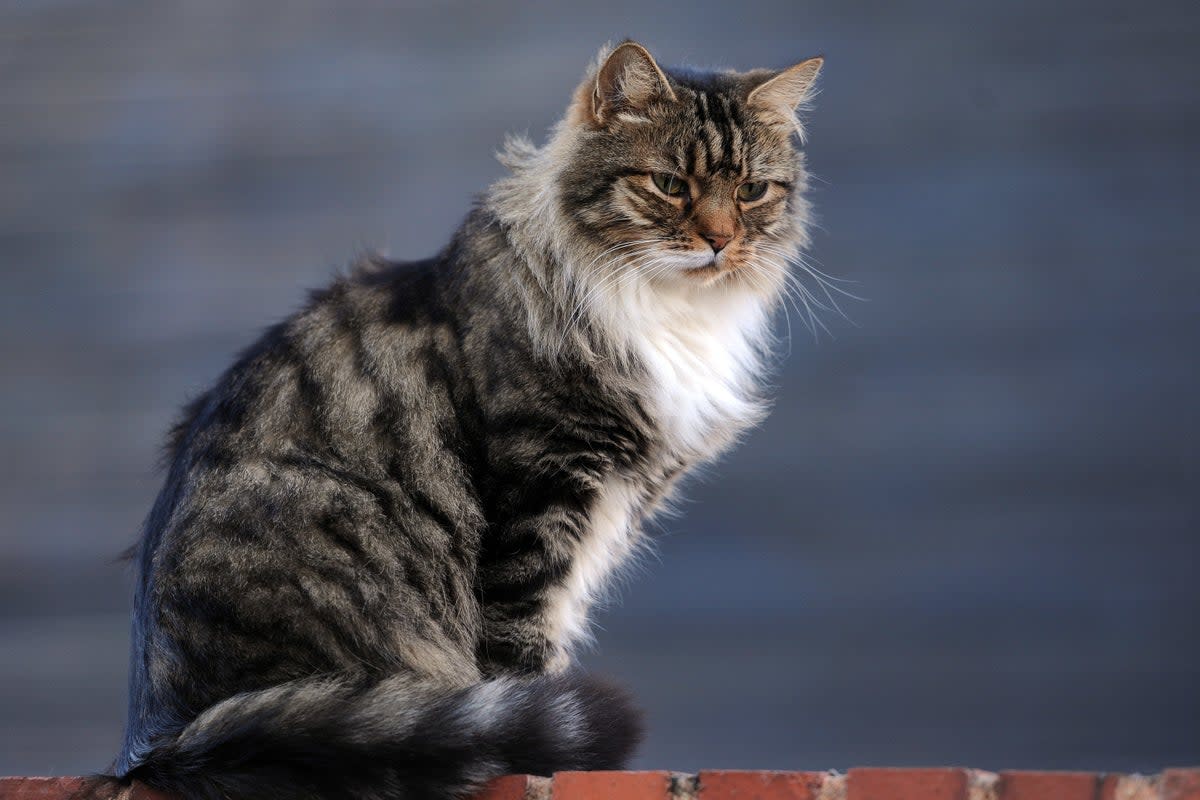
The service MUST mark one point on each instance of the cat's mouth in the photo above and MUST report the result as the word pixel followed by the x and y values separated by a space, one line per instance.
pixel 710 265
pixel 705 270
pixel 705 267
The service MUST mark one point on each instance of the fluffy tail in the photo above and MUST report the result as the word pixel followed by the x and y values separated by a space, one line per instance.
pixel 399 739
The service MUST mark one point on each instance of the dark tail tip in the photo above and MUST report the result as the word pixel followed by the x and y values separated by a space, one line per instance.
pixel 615 719
pixel 576 722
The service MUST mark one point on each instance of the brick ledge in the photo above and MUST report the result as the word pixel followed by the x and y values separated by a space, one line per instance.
pixel 865 783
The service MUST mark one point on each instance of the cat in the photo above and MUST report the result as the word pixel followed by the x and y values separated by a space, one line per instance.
pixel 382 530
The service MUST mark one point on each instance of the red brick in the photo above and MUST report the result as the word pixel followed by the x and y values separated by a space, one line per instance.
pixel 1180 784
pixel 873 783
pixel 612 786
pixel 1048 786
pixel 511 787
pixel 756 785
pixel 38 788
pixel 143 792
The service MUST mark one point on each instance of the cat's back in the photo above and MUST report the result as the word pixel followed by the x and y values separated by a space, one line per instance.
pixel 308 376
pixel 288 512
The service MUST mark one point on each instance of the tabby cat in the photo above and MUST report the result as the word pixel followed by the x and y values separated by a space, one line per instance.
pixel 382 529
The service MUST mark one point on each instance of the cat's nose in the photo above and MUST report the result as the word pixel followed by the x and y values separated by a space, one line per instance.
pixel 717 240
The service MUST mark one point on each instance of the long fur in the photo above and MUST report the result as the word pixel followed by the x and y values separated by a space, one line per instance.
pixel 383 530
pixel 322 738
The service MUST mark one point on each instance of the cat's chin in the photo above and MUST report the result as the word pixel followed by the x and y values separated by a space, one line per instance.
pixel 706 275
pixel 707 269
pixel 700 270
pixel 700 265
pixel 688 260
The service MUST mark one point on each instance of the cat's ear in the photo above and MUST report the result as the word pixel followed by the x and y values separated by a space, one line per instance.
pixel 626 80
pixel 785 91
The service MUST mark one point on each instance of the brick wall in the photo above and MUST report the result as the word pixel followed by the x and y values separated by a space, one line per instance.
pixel 871 783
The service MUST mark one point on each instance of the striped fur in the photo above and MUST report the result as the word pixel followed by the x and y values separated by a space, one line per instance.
pixel 382 530
pixel 331 737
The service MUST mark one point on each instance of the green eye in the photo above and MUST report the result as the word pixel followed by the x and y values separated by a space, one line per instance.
pixel 751 191
pixel 669 184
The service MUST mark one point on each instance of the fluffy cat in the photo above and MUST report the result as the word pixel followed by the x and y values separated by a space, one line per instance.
pixel 383 527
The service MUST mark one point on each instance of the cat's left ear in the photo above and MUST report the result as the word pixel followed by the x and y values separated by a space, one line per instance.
pixel 626 80
pixel 785 91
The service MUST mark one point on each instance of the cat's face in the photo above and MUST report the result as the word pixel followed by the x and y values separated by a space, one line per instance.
pixel 688 177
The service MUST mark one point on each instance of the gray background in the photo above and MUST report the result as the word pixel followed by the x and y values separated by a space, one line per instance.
pixel 968 533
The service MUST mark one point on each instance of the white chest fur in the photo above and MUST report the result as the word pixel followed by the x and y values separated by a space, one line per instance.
pixel 612 535
pixel 702 359
pixel 703 356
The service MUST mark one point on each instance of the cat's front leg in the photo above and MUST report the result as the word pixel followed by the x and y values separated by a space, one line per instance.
pixel 543 573
pixel 523 579
pixel 516 643
pixel 564 474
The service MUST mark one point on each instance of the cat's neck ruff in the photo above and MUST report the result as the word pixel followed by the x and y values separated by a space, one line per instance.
pixel 698 347
pixel 703 352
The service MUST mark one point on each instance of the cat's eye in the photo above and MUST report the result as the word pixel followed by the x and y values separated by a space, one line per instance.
pixel 669 185
pixel 751 191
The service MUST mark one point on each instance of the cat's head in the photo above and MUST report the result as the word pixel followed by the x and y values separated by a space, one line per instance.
pixel 686 176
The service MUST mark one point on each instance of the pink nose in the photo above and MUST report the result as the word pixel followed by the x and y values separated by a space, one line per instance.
pixel 717 240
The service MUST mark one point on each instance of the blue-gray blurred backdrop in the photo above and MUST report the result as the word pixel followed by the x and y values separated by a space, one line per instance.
pixel 969 531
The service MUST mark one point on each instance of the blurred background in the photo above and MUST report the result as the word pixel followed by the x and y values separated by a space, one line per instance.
pixel 970 531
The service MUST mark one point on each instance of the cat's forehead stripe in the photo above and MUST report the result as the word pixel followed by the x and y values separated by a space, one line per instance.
pixel 719 143
pixel 717 127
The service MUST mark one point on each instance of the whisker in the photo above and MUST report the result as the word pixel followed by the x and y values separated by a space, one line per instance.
pixel 610 280
pixel 582 302
pixel 795 291
pixel 795 257
pixel 757 278
pixel 824 282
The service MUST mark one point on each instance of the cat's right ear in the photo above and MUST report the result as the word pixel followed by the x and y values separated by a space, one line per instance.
pixel 626 80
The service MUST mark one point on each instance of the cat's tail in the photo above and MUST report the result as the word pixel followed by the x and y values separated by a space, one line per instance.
pixel 399 739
